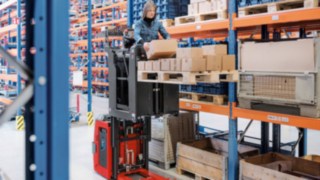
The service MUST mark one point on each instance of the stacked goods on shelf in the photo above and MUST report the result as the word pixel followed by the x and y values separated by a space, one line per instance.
pixel 254 7
pixel 208 158
pixel 107 20
pixel 166 9
pixel 278 166
pixel 167 131
pixel 282 76
pixel 209 64
pixel 204 10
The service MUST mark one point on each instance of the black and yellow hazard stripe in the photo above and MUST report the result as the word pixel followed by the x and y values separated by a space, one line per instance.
pixel 90 118
pixel 19 123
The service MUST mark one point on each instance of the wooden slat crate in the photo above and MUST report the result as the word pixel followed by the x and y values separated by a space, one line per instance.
pixel 274 166
pixel 207 158
pixel 312 157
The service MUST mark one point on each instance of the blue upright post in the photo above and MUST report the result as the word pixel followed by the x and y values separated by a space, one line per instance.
pixel 19 117
pixel 113 43
pixel 130 13
pixel 90 113
pixel 233 160
pixel 47 128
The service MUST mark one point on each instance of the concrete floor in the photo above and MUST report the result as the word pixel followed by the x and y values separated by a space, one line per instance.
pixel 12 142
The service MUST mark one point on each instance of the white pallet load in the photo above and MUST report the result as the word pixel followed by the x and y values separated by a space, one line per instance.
pixel 282 74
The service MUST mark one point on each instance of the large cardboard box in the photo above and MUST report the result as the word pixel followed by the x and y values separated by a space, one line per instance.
pixel 162 49
pixel 193 65
pixel 228 62
pixel 193 8
pixel 148 65
pixel 220 49
pixel 165 64
pixel 204 7
pixel 284 56
pixel 214 63
pixel 141 65
pixel 193 53
pixel 156 65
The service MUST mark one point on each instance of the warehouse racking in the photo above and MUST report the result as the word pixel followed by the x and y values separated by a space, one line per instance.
pixel 49 151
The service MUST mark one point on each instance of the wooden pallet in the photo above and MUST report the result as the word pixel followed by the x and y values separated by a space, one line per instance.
pixel 172 77
pixel 208 98
pixel 162 165
pixel 190 174
pixel 214 15
pixel 167 22
pixel 282 5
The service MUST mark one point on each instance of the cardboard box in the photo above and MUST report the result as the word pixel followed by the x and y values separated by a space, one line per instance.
pixel 228 62
pixel 165 64
pixel 214 63
pixel 193 8
pixel 197 1
pixel 284 56
pixel 173 64
pixel 220 49
pixel 311 3
pixel 162 49
pixel 156 65
pixel 222 4
pixel 178 64
pixel 148 65
pixel 204 7
pixel 193 53
pixel 193 64
pixel 141 65
pixel 213 5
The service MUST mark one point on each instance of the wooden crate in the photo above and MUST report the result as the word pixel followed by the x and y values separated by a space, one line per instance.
pixel 207 158
pixel 272 166
pixel 166 132
pixel 312 157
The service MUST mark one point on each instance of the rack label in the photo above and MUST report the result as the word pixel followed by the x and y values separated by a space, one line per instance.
pixel 278 118
pixel 275 17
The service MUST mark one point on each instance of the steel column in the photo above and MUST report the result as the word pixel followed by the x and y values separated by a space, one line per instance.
pixel 276 137
pixel 19 49
pixel 233 160
pixel 264 137
pixel 47 128
pixel 89 56
pixel 130 13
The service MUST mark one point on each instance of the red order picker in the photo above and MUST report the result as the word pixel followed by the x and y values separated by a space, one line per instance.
pixel 121 143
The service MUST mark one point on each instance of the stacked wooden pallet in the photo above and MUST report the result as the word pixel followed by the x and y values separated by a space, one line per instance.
pixel 166 133
pixel 283 5
pixel 210 64
pixel 204 10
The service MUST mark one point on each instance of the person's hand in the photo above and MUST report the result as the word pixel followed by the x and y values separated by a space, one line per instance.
pixel 146 46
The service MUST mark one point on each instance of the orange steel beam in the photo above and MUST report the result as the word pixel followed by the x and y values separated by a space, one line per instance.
pixel 199 27
pixel 73 68
pixel 9 77
pixel 85 54
pixel 5 101
pixel 122 21
pixel 85 42
pixel 85 84
pixel 276 118
pixel 8 28
pixel 279 17
pixel 204 107
pixel 121 5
